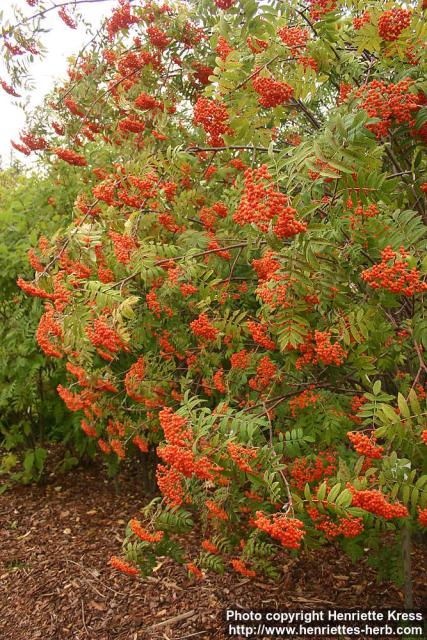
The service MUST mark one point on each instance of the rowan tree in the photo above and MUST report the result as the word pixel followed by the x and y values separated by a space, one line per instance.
pixel 242 289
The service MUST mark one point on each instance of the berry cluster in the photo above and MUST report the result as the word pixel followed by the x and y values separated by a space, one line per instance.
pixel 174 427
pixel 139 442
pixel 259 335
pixel 256 45
pixel 394 275
pixel 70 156
pixel 241 456
pixel 215 510
pixel 62 13
pixel 272 92
pixel 209 546
pixel 132 379
pixel 349 527
pixel 287 225
pixel 239 565
pixel 260 203
pixel 218 380
pixel 224 4
pixel 364 19
pixel 142 534
pixel 391 23
pixel 265 374
pixel 295 38
pixel 123 566
pixel 328 353
pixel 303 470
pixel 390 103
pixel 102 335
pixel 158 38
pixel 48 330
pixel 148 103
pixel 240 360
pixel 302 401
pixel 288 531
pixel 202 328
pixel 374 501
pixel 120 19
pixel 124 246
pixel 364 445
pixel 223 49
pixel 422 517
pixel 319 8
pixel 212 115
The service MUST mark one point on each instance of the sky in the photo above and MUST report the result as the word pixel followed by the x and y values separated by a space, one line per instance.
pixel 61 42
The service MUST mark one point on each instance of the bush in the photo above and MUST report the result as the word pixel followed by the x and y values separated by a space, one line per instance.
pixel 242 288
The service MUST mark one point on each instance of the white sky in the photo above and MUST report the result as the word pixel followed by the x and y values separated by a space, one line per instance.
pixel 61 42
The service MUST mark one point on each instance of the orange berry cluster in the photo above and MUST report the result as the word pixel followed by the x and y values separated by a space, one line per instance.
pixel 240 567
pixel 294 37
pixel 169 481
pixel 288 531
pixel 422 517
pixel 147 103
pixel 256 45
pixel 120 19
pixel 394 275
pixel 123 566
pixel 224 4
pixel 66 19
pixel 174 427
pixel 388 102
pixel 117 447
pixel 143 534
pixel 102 335
pixel 139 442
pixel 359 22
pixel 328 353
pixel 132 379
pixel 364 445
pixel 209 546
pixel 259 335
pixel 303 400
pixel 70 156
pixel 287 225
pixel 240 360
pixel 241 456
pixel 349 526
pixel 424 436
pixel 216 511
pixel 47 331
pixel 272 92
pixel 265 373
pixel 304 471
pixel 391 23
pixel 202 328
pixel 319 8
pixel 213 117
pixel 192 568
pixel 123 245
pixel 260 203
pixel 374 501
pixel 266 266
pixel 158 38
pixel 223 49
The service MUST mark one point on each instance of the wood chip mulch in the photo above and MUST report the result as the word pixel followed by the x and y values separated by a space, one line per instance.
pixel 56 582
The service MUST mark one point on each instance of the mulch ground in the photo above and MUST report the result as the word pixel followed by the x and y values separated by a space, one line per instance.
pixel 56 583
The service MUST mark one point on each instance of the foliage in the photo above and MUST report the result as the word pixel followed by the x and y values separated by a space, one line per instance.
pixel 242 287
pixel 31 413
